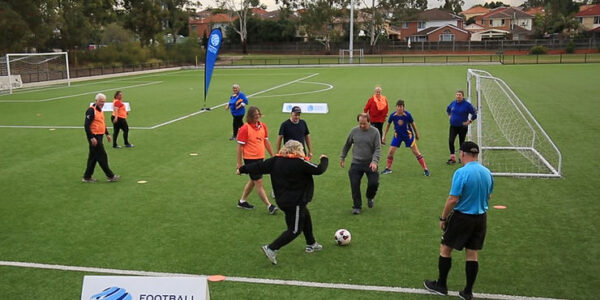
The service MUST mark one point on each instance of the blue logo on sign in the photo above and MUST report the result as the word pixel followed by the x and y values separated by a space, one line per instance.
pixel 214 40
pixel 112 293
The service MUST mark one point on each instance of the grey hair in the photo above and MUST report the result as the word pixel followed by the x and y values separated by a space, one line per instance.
pixel 235 85
pixel 100 96
pixel 292 147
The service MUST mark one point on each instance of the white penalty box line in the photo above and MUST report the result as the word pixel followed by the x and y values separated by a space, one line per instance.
pixel 310 284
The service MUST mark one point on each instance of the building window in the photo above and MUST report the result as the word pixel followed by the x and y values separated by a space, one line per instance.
pixel 580 19
pixel 421 25
pixel 597 20
pixel 502 22
pixel 446 37
pixel 404 25
pixel 491 22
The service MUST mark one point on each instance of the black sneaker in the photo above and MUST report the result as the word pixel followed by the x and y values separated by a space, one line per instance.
pixel 245 205
pixel 465 296
pixel 356 211
pixel 116 146
pixel 115 178
pixel 451 161
pixel 273 209
pixel 370 203
pixel 435 288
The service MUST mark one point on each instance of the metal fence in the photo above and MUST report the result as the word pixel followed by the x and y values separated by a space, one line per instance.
pixel 390 47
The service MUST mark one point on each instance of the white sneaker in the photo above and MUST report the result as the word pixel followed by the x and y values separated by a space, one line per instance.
pixel 271 254
pixel 314 247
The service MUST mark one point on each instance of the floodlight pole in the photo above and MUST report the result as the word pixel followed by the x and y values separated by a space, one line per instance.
pixel 351 31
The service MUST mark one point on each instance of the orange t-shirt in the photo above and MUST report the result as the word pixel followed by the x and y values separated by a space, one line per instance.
pixel 122 109
pixel 98 126
pixel 252 138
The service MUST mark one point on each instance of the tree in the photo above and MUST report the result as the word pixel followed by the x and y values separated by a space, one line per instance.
pixel 241 9
pixel 453 6
pixel 317 21
pixel 26 25
pixel 376 24
pixel 177 13
pixel 496 4
pixel 144 17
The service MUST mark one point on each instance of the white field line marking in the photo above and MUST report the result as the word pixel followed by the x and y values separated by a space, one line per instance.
pixel 328 87
pixel 81 94
pixel 225 103
pixel 174 120
pixel 311 284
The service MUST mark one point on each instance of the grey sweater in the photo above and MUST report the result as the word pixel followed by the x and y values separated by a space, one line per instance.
pixel 367 145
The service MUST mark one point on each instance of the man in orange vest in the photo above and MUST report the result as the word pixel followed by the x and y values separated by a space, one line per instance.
pixel 95 129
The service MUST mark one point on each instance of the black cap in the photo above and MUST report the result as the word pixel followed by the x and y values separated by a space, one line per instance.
pixel 469 147
pixel 296 109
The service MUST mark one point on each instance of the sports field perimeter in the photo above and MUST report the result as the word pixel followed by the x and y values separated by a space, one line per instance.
pixel 184 220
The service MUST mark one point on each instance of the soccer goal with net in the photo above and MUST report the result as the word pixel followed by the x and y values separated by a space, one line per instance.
pixel 33 69
pixel 511 140
pixel 350 56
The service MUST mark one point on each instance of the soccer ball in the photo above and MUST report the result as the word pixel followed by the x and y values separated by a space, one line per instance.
pixel 342 237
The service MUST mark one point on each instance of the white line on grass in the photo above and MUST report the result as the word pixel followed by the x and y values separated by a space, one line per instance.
pixel 157 125
pixel 223 104
pixel 311 284
pixel 82 94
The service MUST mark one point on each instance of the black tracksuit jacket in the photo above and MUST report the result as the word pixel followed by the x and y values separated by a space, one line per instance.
pixel 291 177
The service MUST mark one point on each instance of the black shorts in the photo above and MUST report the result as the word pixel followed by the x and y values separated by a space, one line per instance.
pixel 253 176
pixel 465 231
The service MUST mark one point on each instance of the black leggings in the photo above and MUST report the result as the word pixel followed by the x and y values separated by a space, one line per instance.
pixel 120 125
pixel 462 134
pixel 238 121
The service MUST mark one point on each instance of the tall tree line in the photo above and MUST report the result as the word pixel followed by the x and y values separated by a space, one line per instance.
pixel 43 25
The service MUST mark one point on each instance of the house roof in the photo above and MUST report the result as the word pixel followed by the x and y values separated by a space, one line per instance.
pixel 430 30
pixel 507 13
pixel 540 10
pixel 436 14
pixel 477 9
pixel 520 30
pixel 593 10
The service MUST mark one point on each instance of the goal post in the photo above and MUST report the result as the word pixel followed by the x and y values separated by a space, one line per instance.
pixel 350 55
pixel 34 69
pixel 512 141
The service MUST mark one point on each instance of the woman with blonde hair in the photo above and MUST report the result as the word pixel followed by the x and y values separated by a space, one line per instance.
pixel 292 181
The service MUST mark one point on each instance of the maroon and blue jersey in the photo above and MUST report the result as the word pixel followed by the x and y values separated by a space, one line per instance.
pixel 402 123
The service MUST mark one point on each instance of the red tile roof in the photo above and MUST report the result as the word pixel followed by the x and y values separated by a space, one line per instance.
pixel 594 10
pixel 475 10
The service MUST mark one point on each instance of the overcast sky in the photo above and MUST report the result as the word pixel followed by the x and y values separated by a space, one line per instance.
pixel 431 4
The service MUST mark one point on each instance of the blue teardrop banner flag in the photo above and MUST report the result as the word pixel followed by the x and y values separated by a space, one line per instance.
pixel 212 50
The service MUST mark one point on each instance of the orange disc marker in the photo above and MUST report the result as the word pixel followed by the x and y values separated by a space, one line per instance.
pixel 215 278
pixel 499 207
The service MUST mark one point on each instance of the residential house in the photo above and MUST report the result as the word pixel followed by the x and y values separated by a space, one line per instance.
pixel 204 22
pixel 434 25
pixel 474 11
pixel 506 22
pixel 589 17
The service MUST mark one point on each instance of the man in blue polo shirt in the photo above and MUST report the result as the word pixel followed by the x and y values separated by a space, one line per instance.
pixel 237 105
pixel 463 220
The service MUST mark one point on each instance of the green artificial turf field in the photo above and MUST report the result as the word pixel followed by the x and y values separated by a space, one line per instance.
pixel 185 220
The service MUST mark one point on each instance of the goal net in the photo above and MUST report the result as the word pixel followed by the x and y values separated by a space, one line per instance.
pixel 511 140
pixel 33 69
pixel 351 56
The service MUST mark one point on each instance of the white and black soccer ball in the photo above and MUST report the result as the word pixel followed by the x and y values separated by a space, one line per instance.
pixel 342 237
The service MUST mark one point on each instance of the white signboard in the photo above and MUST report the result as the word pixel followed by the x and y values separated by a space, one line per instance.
pixel 144 288
pixel 108 106
pixel 307 108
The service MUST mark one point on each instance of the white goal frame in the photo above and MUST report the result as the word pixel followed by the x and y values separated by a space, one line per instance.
pixel 360 52
pixel 507 129
pixel 14 57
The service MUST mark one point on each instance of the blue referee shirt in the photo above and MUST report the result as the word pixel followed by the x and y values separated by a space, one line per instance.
pixel 473 183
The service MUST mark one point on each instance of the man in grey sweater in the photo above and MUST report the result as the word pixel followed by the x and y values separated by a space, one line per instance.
pixel 365 157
